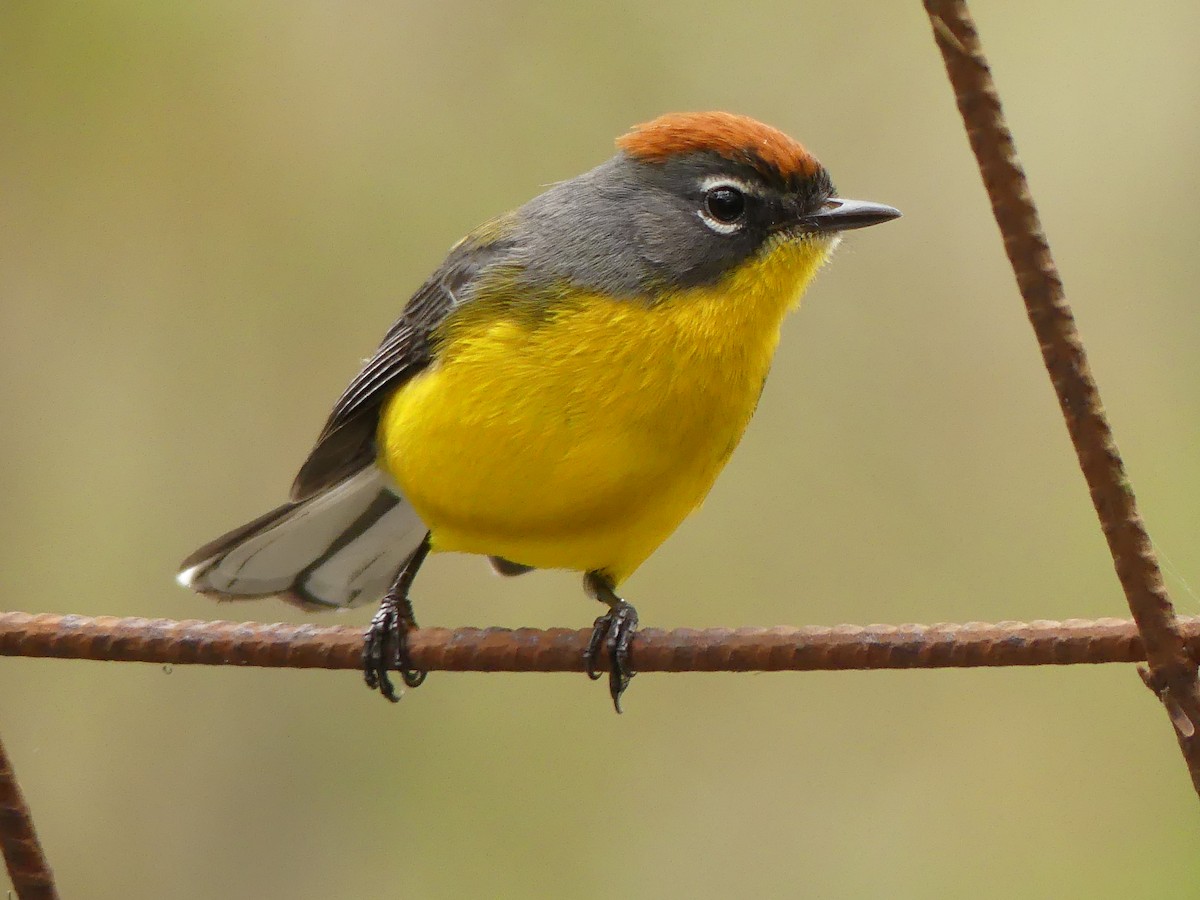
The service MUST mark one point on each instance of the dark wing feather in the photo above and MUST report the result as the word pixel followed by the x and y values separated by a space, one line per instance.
pixel 347 442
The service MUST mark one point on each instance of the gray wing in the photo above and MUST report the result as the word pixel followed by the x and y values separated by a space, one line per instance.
pixel 347 442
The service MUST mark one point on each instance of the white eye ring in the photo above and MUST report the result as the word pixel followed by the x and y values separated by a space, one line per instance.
pixel 713 183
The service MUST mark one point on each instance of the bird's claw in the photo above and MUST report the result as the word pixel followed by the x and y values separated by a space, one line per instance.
pixel 385 647
pixel 614 632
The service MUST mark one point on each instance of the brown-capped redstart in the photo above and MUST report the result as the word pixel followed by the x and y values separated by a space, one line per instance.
pixel 562 391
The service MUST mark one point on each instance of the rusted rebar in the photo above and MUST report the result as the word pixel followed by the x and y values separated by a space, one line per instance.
pixel 27 867
pixel 1172 672
pixel 166 641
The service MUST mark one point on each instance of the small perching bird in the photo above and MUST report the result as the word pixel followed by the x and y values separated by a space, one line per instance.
pixel 562 391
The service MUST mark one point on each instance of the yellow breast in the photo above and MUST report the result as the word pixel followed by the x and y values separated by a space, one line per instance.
pixel 580 437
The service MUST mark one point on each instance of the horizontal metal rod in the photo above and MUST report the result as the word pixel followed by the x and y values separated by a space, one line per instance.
pixel 218 643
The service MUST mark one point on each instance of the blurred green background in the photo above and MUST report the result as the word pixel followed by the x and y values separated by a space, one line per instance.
pixel 209 213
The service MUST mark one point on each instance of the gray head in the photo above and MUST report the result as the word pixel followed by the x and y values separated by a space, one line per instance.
pixel 687 199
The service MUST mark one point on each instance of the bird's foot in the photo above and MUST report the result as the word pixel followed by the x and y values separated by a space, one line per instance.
pixel 385 646
pixel 614 632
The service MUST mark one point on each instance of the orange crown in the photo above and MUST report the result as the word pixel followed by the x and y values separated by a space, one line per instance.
pixel 737 138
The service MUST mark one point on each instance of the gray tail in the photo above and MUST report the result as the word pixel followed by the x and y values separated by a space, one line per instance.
pixel 340 547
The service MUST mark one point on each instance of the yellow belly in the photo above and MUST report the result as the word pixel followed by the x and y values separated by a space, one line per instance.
pixel 580 439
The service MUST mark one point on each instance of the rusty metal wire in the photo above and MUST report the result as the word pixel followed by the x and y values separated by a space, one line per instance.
pixel 973 644
pixel 1172 672
pixel 27 866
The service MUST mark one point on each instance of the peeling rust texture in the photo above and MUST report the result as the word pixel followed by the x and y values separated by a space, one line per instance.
pixel 1172 666
pixel 219 643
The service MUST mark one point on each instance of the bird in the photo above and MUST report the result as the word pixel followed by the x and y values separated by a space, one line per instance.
pixel 561 392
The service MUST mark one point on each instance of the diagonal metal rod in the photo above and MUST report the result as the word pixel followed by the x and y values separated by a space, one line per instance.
pixel 1172 671
pixel 27 866
pixel 217 643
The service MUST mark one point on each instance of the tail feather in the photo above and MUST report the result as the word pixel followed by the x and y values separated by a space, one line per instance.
pixel 340 547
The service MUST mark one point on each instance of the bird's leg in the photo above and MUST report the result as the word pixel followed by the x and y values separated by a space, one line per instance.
pixel 386 643
pixel 614 630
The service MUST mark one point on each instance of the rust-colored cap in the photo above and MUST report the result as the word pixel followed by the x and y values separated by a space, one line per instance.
pixel 738 138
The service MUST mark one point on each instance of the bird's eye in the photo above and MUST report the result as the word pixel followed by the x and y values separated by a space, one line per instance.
pixel 725 204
